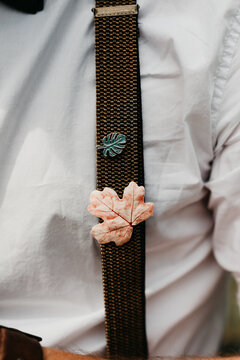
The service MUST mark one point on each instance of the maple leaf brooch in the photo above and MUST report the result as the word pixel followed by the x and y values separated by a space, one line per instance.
pixel 118 215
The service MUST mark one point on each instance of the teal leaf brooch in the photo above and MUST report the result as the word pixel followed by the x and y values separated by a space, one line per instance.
pixel 113 144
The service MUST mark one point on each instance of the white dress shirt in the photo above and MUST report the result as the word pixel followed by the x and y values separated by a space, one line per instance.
pixel 50 267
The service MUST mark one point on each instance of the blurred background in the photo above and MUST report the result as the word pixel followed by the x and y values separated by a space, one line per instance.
pixel 231 338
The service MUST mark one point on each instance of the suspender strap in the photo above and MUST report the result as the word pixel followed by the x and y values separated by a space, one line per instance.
pixel 119 111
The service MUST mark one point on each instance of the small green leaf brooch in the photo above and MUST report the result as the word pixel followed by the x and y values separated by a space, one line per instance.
pixel 113 144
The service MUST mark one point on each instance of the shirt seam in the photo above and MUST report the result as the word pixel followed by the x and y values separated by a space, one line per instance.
pixel 230 43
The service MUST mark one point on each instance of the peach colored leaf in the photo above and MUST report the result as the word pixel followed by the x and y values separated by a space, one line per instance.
pixel 103 203
pixel 117 230
pixel 119 215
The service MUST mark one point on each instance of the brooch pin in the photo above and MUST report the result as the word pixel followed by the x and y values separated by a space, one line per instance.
pixel 113 144
pixel 118 215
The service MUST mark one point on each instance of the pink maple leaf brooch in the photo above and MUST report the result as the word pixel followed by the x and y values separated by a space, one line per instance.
pixel 118 215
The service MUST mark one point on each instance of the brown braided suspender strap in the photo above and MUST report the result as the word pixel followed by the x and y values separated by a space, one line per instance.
pixel 119 111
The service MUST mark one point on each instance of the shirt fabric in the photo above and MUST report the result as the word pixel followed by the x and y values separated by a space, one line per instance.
pixel 50 267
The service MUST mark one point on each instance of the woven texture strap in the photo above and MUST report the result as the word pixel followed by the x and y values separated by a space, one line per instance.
pixel 119 110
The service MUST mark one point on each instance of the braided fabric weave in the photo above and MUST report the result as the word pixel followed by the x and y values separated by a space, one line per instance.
pixel 119 110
